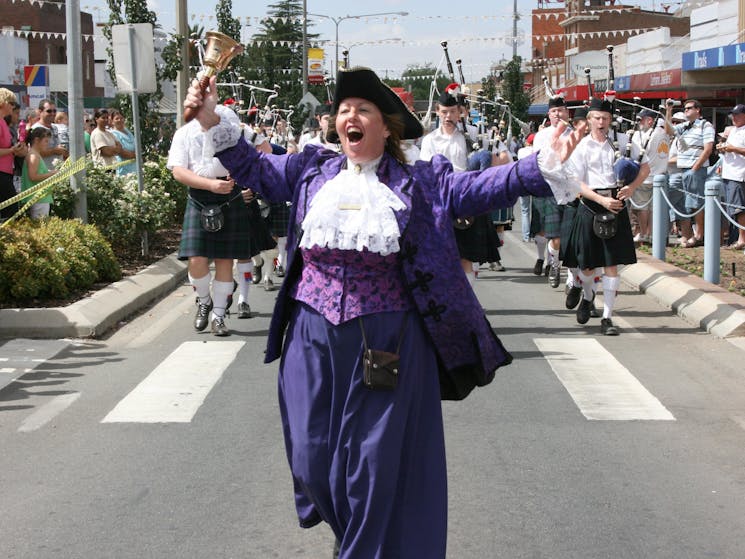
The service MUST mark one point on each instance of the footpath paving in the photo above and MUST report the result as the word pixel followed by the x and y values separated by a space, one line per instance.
pixel 700 303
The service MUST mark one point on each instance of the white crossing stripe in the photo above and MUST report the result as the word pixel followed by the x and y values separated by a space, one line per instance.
pixel 602 388
pixel 177 387
pixel 48 411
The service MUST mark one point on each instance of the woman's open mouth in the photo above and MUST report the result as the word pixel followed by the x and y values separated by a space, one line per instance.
pixel 354 135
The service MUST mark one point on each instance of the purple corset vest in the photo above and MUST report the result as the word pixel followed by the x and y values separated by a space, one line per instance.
pixel 344 284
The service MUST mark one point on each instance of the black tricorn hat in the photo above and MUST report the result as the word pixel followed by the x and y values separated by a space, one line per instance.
pixel 600 105
pixel 364 83
pixel 557 101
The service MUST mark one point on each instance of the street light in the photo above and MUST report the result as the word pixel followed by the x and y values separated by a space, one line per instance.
pixel 338 20
pixel 347 48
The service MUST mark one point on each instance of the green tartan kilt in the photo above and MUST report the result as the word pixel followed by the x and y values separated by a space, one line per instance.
pixel 232 241
pixel 549 213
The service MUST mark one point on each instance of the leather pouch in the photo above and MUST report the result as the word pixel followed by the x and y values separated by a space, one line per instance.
pixel 605 225
pixel 380 369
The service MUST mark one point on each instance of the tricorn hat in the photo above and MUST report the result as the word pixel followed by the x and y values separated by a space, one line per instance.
pixel 556 101
pixel 600 105
pixel 364 83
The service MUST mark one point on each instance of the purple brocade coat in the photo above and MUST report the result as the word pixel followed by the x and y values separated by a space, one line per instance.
pixel 468 351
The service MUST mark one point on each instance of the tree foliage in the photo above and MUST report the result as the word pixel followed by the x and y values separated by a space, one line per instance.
pixel 513 88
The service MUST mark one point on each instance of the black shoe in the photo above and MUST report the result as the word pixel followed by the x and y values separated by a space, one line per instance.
pixel 538 268
pixel 269 284
pixel 583 311
pixel 257 273
pixel 574 294
pixel 244 311
pixel 279 271
pixel 546 269
pixel 594 313
pixel 554 274
pixel 218 327
pixel 203 314
pixel 230 297
pixel 607 328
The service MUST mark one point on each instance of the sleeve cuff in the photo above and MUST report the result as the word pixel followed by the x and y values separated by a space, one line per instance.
pixel 564 186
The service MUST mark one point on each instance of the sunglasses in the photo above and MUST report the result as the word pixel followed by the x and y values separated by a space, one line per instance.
pixel 689 108
pixel 50 110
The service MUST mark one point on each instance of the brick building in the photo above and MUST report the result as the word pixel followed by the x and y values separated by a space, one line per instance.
pixel 43 27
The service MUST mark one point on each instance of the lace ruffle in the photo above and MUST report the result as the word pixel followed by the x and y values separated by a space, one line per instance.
pixel 353 212
pixel 223 135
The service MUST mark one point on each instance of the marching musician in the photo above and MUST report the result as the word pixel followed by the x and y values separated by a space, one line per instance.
pixel 476 238
pixel 653 141
pixel 548 228
pixel 603 192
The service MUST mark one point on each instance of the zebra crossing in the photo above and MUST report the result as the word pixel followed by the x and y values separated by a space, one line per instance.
pixel 596 382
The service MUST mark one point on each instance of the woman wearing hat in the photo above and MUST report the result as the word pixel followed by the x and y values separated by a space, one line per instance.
pixel 373 264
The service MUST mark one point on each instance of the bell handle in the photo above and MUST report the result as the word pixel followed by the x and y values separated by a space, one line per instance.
pixel 191 112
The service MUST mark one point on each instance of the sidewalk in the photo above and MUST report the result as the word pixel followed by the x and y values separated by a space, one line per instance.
pixel 95 315
pixel 700 303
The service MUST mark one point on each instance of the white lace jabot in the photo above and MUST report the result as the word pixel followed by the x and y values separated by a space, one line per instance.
pixel 352 211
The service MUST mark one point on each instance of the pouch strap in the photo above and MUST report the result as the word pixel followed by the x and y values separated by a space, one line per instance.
pixel 201 206
pixel 400 336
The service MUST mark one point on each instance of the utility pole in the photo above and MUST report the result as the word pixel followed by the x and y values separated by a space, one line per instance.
pixel 182 80
pixel 515 17
pixel 305 47
pixel 75 103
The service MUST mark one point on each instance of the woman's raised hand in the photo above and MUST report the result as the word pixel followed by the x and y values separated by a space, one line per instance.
pixel 204 102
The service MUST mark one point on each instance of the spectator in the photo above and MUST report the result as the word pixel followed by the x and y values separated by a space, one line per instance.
pixel 695 142
pixel 733 172
pixel 35 169
pixel 8 150
pixel 61 124
pixel 654 142
pixel 13 122
pixel 127 140
pixel 88 126
pixel 525 205
pixel 104 146
pixel 47 113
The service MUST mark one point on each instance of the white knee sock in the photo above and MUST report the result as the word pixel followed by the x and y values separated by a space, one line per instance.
pixel 220 292
pixel 268 256
pixel 282 250
pixel 245 271
pixel 573 279
pixel 553 254
pixel 202 287
pixel 588 285
pixel 540 246
pixel 610 290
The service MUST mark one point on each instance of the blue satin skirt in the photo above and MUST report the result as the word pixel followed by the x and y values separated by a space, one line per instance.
pixel 371 464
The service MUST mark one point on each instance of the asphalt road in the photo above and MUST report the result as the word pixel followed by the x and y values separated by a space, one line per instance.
pixel 586 447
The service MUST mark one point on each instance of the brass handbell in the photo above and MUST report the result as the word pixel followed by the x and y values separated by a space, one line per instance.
pixel 218 53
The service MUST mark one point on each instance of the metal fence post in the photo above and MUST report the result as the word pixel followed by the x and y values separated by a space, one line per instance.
pixel 660 217
pixel 712 229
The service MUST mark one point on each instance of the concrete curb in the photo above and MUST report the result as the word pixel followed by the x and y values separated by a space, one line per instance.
pixel 93 316
pixel 701 303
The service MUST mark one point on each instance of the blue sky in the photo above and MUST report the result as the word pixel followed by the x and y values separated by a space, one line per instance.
pixel 478 34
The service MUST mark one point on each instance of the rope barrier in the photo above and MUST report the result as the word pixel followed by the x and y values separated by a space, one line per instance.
pixel 726 214
pixel 38 191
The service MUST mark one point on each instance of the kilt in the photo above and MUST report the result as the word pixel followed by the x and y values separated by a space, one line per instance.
pixel 585 250
pixel 549 213
pixel 279 219
pixel 503 216
pixel 232 241
pixel 569 212
pixel 260 238
pixel 478 243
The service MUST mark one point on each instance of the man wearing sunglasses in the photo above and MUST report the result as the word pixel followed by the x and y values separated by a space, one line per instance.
pixel 47 112
pixel 695 142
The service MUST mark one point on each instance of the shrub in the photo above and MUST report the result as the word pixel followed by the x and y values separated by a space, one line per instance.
pixel 122 213
pixel 51 258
